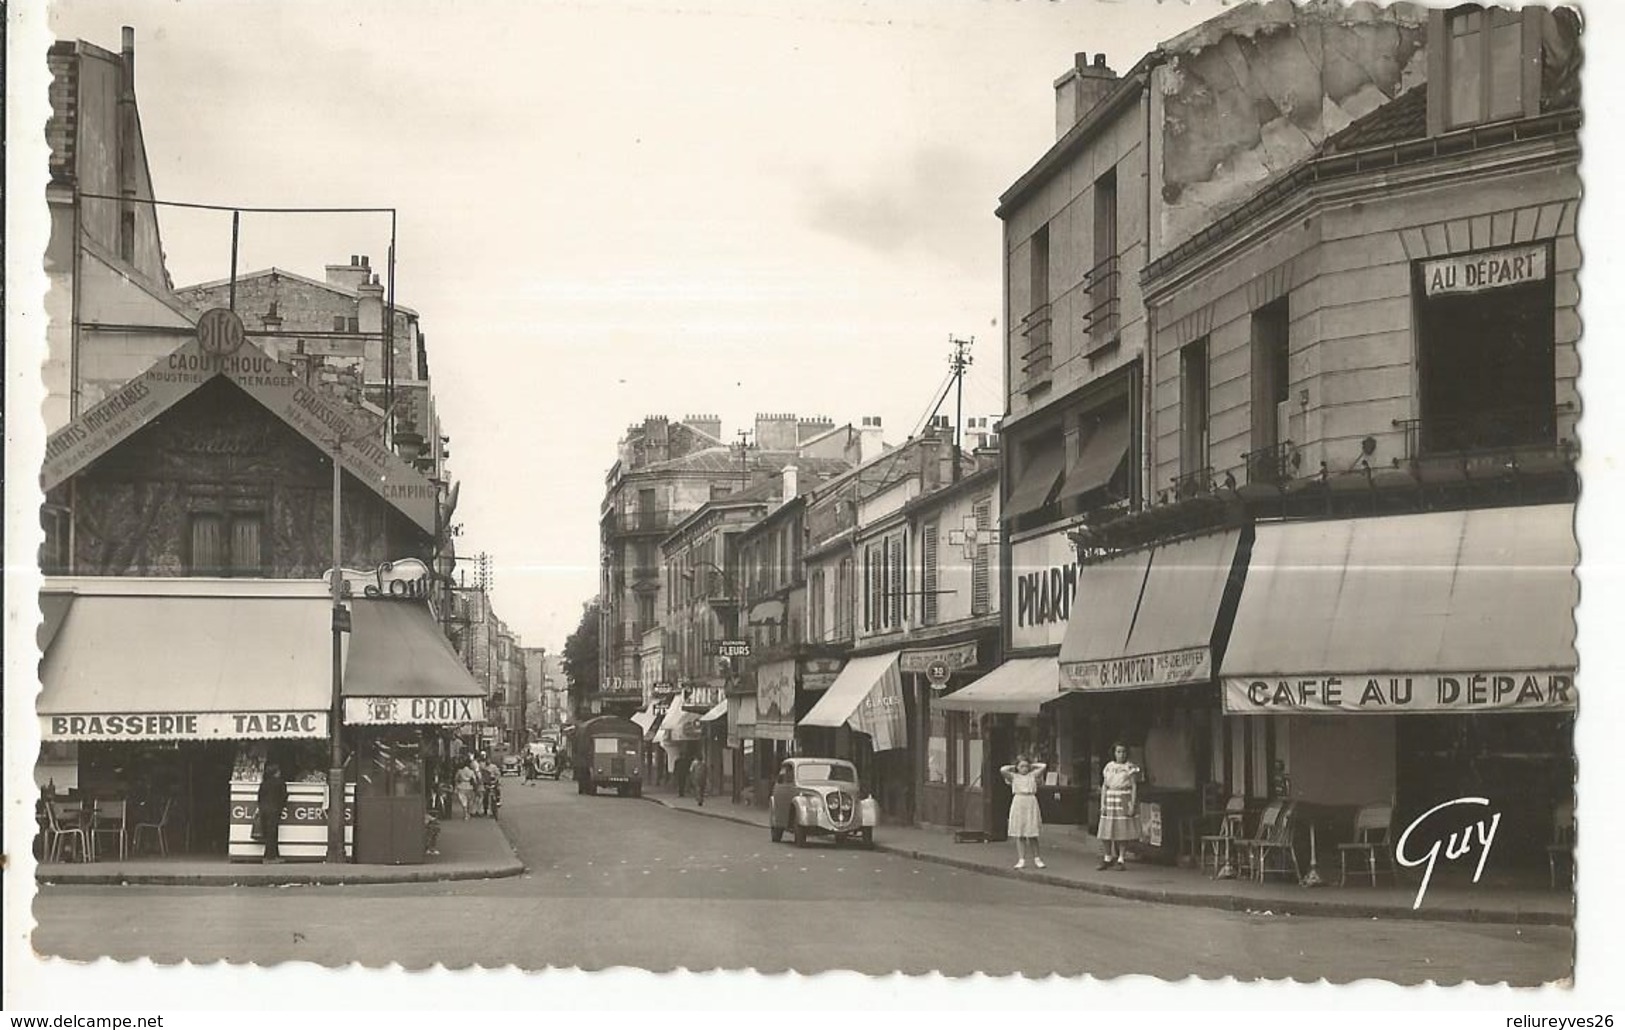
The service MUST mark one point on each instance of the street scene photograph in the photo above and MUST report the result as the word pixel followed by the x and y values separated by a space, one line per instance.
pixel 1080 492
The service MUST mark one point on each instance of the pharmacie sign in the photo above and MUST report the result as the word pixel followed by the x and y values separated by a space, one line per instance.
pixel 1043 585
pixel 184 726
pixel 388 711
pixel 1165 668
pixel 1387 694
pixel 1473 273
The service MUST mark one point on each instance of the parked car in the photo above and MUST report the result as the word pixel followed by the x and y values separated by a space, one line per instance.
pixel 510 765
pixel 821 796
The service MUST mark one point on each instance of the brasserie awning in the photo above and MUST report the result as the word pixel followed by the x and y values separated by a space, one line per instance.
pixel 134 662
pixel 868 696
pixel 1456 611
pixel 1170 632
pixel 401 669
pixel 1019 686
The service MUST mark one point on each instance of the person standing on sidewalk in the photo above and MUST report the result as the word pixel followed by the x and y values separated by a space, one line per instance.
pixel 1119 808
pixel 273 797
pixel 696 779
pixel 464 782
pixel 1025 819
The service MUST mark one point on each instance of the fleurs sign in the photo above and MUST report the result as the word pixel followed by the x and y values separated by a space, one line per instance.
pixel 1386 694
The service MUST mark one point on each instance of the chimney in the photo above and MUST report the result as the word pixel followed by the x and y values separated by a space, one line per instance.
pixel 370 319
pixel 710 425
pixel 789 491
pixel 814 426
pixel 129 61
pixel 870 443
pixel 776 432
pixel 1080 89
pixel 351 276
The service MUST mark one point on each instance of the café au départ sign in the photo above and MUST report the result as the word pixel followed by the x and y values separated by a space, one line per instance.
pixel 311 411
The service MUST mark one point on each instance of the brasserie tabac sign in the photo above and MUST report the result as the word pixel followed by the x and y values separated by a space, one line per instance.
pixel 309 410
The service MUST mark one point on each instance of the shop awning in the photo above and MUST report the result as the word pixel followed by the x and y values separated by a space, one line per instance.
pixel 1036 483
pixel 1170 636
pixel 1100 454
pixel 1103 610
pixel 138 666
pixel 1020 686
pixel 645 720
pixel 53 610
pixel 717 711
pixel 868 696
pixel 1464 611
pixel 401 669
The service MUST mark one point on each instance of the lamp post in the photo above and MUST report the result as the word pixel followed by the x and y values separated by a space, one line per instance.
pixel 341 622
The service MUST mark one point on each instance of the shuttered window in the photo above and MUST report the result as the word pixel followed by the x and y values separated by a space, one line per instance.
pixel 894 582
pixel 980 602
pixel 226 544
pixel 928 574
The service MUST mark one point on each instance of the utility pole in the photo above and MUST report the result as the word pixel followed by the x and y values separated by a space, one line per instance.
pixel 959 360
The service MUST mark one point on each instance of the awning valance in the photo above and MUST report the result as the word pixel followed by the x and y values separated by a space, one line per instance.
pixel 868 696
pixel 1170 633
pixel 1020 686
pixel 1463 611
pixel 401 669
pixel 132 666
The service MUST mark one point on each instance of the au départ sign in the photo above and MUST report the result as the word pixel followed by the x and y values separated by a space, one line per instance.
pixel 1387 694
pixel 1473 273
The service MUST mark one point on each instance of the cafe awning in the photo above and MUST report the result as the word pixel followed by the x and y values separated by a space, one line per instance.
pixel 134 660
pixel 1170 632
pixel 1460 611
pixel 868 696
pixel 401 669
pixel 1020 686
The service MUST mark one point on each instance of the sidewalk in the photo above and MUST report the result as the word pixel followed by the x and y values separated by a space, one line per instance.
pixel 475 849
pixel 1072 861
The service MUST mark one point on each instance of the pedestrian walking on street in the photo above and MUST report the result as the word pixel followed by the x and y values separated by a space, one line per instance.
pixel 1024 816
pixel 273 797
pixel 696 778
pixel 1119 808
pixel 488 783
pixel 465 782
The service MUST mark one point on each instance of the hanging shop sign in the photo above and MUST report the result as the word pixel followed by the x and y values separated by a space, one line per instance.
pixel 394 711
pixel 407 579
pixel 819 673
pixel 1043 584
pixel 1489 270
pixel 184 726
pixel 1166 668
pixel 776 700
pixel 953 658
pixel 728 648
pixel 1383 694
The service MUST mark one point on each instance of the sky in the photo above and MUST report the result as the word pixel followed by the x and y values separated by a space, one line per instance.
pixel 618 209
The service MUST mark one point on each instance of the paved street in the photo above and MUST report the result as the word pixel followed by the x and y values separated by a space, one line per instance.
pixel 626 882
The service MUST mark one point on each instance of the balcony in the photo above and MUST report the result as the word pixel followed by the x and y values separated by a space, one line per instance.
pixel 1511 442
pixel 642 520
pixel 1273 465
pixel 1103 321
pixel 1193 484
pixel 1038 359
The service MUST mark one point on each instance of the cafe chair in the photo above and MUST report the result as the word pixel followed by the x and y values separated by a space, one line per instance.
pixel 1245 848
pixel 158 829
pixel 1275 842
pixel 63 827
pixel 1373 839
pixel 1219 844
pixel 1562 846
pixel 110 817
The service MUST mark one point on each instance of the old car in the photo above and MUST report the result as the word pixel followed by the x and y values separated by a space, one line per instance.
pixel 510 765
pixel 821 796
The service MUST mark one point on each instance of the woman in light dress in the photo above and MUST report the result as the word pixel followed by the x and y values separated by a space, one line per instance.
pixel 1023 778
pixel 1119 808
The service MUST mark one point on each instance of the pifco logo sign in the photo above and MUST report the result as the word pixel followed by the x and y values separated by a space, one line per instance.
pixel 1490 270
pixel 1391 695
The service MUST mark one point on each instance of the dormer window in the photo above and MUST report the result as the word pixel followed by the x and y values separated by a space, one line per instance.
pixel 1484 64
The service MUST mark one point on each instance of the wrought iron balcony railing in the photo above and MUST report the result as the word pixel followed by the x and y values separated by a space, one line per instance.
pixel 1273 465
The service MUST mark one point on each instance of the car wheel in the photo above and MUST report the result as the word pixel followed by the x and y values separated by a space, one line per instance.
pixel 776 832
pixel 869 837
pixel 801 834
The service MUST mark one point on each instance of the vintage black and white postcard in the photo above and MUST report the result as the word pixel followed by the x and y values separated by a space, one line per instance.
pixel 1080 488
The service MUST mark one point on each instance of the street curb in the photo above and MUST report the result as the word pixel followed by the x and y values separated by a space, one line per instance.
pixel 1230 903
pixel 319 876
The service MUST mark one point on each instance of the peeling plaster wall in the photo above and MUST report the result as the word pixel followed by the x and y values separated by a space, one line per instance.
pixel 1247 95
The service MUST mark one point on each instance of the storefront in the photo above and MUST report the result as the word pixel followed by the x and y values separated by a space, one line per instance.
pixel 1413 659
pixel 948 756
pixel 868 699
pixel 1139 665
pixel 171 694
pixel 775 734
pixel 1005 705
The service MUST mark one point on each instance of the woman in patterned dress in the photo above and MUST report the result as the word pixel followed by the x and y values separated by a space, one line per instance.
pixel 1119 808
pixel 1024 817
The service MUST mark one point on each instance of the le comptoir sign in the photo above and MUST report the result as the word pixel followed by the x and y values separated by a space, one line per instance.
pixel 1190 665
pixel 1387 694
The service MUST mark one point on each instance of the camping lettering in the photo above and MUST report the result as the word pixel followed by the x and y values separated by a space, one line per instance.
pixel 1387 694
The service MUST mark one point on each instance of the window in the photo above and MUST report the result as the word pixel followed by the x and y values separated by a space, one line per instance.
pixel 1193 406
pixel 928 574
pixel 53 554
pixel 1101 321
pixel 1272 388
pixel 126 236
pixel 843 600
pixel 981 602
pixel 1039 268
pixel 226 544
pixel 896 569
pixel 871 587
pixel 819 605
pixel 338 323
pixel 1485 64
